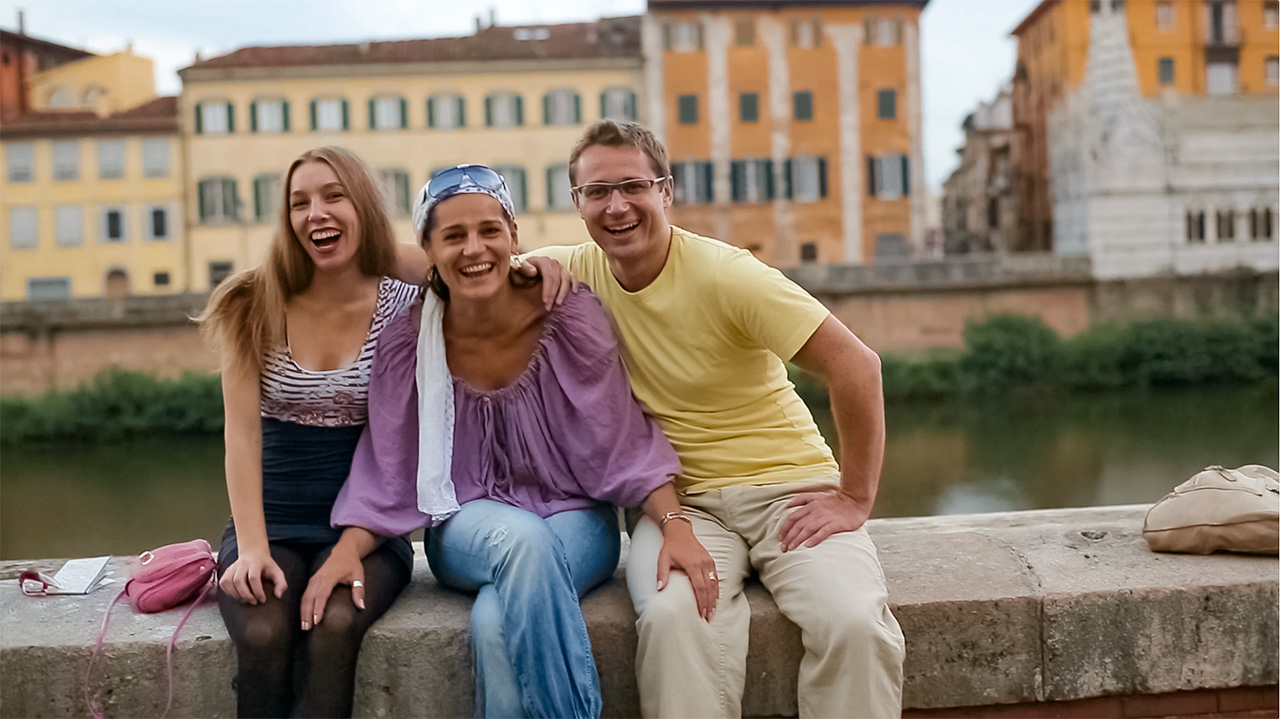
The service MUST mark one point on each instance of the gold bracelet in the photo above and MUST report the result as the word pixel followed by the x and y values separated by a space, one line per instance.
pixel 662 523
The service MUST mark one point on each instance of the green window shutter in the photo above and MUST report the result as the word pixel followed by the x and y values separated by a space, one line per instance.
pixel 257 198
pixel 871 176
pixel 346 115
pixel 404 114
pixel 766 166
pixel 786 179
pixel 373 114
pixel 231 118
pixel 284 115
pixel 232 198
pixel 666 36
pixel 201 191
pixel 431 112
pixel 906 176
pixel 524 189
pixel 551 178
pixel 253 116
pixel 738 180
pixel 519 111
pixel 822 177
pixel 199 119
pixel 313 115
pixel 546 109
pixel 604 110
pixel 462 111
pixel 402 192
pixel 577 109
pixel 488 111
pixel 709 180
pixel 631 113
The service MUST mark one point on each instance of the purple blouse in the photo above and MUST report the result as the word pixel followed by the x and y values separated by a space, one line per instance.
pixel 567 434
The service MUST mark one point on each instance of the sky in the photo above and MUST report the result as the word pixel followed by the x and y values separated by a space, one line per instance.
pixel 966 52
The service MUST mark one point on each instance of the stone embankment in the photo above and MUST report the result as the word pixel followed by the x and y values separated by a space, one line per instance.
pixel 1008 614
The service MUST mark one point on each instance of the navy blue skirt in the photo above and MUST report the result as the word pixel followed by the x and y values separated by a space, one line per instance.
pixel 303 469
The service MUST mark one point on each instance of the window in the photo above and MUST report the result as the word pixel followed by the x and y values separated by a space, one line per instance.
pixel 808 252
pixel 157 223
pixel 24 228
pixel 155 158
pixel 805 34
pixel 61 98
pixel 48 289
pixel 394 185
pixel 1222 78
pixel 1271 14
pixel 1261 224
pixel 1164 15
pixel 388 112
pixel 266 197
pixel 160 279
pixel 90 96
pixel 887 104
pixel 559 196
pixel 802 105
pixel 515 178
pixel 1195 228
pixel 269 116
pixel 20 161
pixel 68 226
pixel 888 176
pixel 618 103
pixel 66 160
pixel 1226 225
pixel 748 107
pixel 219 271
pixel 217 200
pixel 110 159
pixel 744 32
pixel 751 180
pixel 993 213
pixel 694 181
pixel 882 31
pixel 682 36
pixel 891 244
pixel 561 108
pixel 1273 71
pixel 215 117
pixel 1164 70
pixel 113 229
pixel 330 115
pixel 446 111
pixel 688 109
pixel 503 109
pixel 807 178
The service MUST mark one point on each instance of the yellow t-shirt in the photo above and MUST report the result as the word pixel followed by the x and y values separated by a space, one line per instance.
pixel 706 345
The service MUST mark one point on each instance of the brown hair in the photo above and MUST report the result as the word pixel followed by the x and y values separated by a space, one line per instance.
pixel 436 284
pixel 245 315
pixel 615 133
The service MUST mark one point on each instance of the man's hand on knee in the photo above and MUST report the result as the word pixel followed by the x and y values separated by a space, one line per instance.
pixel 818 514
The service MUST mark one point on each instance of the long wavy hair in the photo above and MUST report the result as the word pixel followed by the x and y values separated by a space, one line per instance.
pixel 246 313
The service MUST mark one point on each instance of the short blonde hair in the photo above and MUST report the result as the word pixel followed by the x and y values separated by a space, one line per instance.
pixel 615 133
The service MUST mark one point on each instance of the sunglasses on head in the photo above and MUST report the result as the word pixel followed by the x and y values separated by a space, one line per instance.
pixel 463 176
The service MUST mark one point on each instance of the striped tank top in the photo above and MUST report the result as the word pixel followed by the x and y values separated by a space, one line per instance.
pixel 330 398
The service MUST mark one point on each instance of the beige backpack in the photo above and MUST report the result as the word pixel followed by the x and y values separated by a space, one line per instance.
pixel 1218 510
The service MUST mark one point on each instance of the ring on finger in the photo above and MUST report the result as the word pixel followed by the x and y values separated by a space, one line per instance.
pixel 711 575
pixel 357 584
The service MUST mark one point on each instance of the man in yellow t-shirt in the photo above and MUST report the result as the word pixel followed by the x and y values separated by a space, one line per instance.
pixel 707 330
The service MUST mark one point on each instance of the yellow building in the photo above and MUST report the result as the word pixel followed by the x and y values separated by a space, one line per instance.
pixel 794 128
pixel 515 98
pixel 1199 48
pixel 90 200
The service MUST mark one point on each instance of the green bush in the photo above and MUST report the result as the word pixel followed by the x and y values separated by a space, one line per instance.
pixel 1008 351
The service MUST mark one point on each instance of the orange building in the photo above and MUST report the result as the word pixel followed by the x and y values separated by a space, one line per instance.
pixel 21 57
pixel 1189 47
pixel 794 128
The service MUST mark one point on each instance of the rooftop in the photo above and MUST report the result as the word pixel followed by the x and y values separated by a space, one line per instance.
pixel 157 115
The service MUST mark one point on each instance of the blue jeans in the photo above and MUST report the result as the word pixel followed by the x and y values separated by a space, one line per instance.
pixel 532 654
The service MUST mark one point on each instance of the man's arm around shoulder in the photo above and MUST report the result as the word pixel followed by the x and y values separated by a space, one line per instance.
pixel 851 371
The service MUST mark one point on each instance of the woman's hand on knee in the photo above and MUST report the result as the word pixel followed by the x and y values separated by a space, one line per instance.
pixel 343 566
pixel 243 579
pixel 682 551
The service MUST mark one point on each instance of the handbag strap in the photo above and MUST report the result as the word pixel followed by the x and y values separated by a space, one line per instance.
pixel 95 709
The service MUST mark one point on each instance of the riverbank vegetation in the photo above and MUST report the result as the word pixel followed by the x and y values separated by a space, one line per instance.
pixel 1003 355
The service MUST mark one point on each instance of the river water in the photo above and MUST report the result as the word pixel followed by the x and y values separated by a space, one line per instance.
pixel 86 499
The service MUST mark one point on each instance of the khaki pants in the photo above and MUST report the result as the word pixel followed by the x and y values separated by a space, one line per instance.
pixel 835 593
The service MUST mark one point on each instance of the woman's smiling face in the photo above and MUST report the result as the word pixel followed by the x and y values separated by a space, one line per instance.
pixel 470 241
pixel 323 217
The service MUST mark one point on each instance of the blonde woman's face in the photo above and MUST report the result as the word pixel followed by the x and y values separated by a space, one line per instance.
pixel 323 217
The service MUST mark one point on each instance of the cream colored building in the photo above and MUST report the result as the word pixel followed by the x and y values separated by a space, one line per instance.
pixel 515 98
pixel 103 84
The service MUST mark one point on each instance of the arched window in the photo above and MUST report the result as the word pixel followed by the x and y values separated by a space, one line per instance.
pixel 61 98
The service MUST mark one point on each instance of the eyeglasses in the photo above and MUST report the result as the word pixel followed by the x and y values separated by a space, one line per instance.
pixel 461 176
pixel 599 191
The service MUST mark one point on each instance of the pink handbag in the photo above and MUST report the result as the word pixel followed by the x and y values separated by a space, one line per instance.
pixel 164 578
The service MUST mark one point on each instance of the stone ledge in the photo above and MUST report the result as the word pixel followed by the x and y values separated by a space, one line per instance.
pixel 1004 608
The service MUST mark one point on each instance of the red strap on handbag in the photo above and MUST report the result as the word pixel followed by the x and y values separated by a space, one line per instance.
pixel 164 578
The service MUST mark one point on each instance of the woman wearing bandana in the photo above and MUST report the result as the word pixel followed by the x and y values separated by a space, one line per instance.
pixel 511 427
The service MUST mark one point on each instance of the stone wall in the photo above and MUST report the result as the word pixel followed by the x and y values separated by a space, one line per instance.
pixel 1034 612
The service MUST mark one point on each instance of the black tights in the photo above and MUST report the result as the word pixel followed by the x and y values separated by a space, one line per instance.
pixel 269 637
